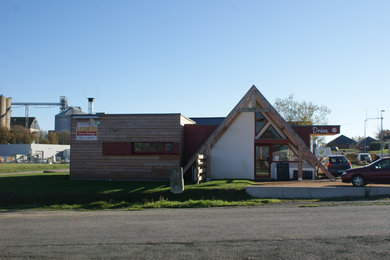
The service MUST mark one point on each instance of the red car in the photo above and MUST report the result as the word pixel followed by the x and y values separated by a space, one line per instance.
pixel 376 172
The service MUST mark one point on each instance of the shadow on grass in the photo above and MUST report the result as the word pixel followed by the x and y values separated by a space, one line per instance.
pixel 55 190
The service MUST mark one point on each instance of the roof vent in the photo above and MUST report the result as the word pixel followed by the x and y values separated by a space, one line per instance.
pixel 90 105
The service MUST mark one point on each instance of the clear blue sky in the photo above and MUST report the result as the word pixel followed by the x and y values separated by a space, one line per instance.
pixel 197 57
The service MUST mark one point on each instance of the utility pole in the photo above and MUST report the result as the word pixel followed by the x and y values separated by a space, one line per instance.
pixel 365 126
pixel 382 133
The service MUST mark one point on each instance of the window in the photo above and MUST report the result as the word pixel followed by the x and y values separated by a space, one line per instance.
pixel 385 164
pixel 148 147
pixel 168 147
pixel 338 159
pixel 271 133
pixel 116 148
pixel 260 121
pixel 283 153
pixel 155 148
pixel 144 148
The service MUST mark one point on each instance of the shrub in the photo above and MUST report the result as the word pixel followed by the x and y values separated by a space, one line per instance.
pixel 4 135
pixel 351 157
pixel 374 146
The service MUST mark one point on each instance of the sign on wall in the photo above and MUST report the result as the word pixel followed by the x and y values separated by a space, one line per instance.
pixel 325 130
pixel 87 131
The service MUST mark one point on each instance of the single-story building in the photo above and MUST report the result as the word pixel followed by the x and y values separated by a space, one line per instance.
pixel 33 152
pixel 126 147
pixel 365 143
pixel 342 142
pixel 252 142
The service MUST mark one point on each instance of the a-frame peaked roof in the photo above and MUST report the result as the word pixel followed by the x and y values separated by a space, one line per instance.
pixel 366 141
pixel 342 142
pixel 249 104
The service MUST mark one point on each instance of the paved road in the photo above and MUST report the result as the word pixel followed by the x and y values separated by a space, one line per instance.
pixel 341 232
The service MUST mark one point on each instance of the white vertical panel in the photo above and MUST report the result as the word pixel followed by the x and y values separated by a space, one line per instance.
pixel 232 157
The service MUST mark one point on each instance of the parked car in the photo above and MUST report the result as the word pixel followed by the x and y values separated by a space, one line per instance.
pixel 376 172
pixel 336 164
pixel 363 158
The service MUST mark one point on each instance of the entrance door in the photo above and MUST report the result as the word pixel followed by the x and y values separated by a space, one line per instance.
pixel 262 162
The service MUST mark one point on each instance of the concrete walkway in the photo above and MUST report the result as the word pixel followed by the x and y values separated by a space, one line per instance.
pixel 317 189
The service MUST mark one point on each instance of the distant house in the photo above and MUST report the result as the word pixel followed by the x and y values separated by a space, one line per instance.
pixel 366 142
pixel 342 142
pixel 32 123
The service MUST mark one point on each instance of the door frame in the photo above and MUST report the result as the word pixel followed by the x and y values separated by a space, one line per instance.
pixel 270 151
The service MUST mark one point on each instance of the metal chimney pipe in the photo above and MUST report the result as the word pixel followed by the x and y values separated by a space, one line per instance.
pixel 90 105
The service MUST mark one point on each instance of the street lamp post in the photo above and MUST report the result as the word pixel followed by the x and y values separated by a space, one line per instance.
pixel 365 137
pixel 365 141
pixel 382 133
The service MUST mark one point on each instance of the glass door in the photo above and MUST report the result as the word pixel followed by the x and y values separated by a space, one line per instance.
pixel 262 162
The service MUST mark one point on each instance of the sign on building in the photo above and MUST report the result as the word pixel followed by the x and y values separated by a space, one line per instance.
pixel 325 130
pixel 87 131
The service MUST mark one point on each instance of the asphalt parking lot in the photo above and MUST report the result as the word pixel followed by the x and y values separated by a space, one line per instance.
pixel 348 231
pixel 315 189
pixel 312 183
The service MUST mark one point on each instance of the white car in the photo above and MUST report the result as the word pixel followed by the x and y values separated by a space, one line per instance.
pixel 363 158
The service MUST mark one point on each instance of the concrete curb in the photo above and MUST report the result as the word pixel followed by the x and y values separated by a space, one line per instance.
pixel 316 193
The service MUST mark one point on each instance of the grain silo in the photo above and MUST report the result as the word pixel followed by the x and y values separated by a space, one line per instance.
pixel 63 119
pixel 5 112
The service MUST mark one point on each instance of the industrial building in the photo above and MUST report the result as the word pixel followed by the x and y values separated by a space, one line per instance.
pixel 252 142
pixel 34 153
pixel 63 119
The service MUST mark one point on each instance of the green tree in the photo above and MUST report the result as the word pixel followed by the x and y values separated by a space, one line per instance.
pixel 42 137
pixel 26 138
pixel 4 135
pixel 52 138
pixel 386 135
pixel 63 137
pixel 20 135
pixel 301 113
pixel 374 146
pixel 43 141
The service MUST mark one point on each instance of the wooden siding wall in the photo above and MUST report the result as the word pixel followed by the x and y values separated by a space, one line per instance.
pixel 88 162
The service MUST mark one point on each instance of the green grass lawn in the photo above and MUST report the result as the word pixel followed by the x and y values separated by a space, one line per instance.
pixel 56 191
pixel 385 151
pixel 26 167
